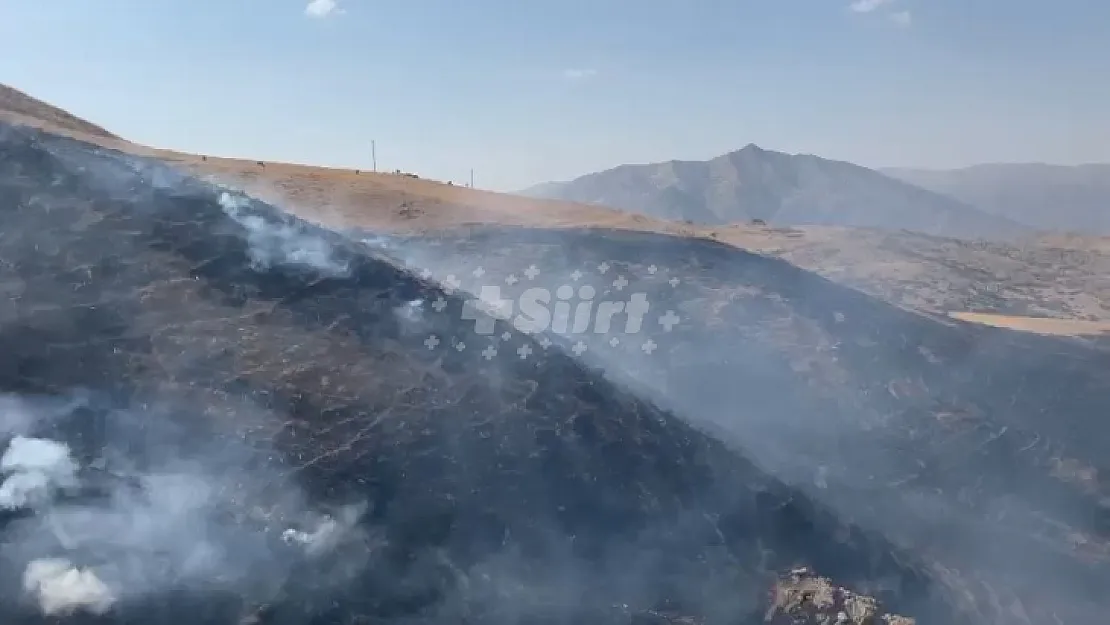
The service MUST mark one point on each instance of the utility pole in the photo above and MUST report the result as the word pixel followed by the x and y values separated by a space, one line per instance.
pixel 471 177
pixel 374 154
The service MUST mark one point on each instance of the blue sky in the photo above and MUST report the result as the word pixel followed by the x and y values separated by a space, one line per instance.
pixel 525 91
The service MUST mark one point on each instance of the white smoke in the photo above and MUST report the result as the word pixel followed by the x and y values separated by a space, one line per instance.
pixel 282 244
pixel 198 519
pixel 18 415
pixel 15 415
pixel 35 468
pixel 329 533
pixel 61 588
pixel 411 316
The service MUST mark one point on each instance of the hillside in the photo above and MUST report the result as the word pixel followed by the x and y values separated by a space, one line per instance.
pixel 781 189
pixel 1049 197
pixel 1063 278
pixel 235 382
pixel 260 433
pixel 16 104
pixel 273 374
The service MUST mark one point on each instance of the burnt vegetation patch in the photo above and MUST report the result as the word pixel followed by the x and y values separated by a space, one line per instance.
pixel 218 340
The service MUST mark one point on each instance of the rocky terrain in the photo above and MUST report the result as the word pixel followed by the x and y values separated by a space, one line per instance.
pixel 1058 277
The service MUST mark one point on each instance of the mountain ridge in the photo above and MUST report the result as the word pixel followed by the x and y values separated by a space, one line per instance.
pixel 789 189
pixel 1042 195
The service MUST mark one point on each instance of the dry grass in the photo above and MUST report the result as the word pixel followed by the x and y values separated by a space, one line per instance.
pixel 398 203
pixel 1039 325
pixel 925 279
pixel 346 198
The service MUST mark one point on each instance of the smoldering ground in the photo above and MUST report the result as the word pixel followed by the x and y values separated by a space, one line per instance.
pixel 514 488
pixel 507 491
pixel 107 508
pixel 780 429
pixel 940 438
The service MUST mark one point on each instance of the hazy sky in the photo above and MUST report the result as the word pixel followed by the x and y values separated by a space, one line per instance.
pixel 525 91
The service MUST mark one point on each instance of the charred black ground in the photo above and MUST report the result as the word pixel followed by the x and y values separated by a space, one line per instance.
pixel 978 448
pixel 538 490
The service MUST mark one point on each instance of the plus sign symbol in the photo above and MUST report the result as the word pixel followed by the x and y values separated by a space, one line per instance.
pixel 669 320
pixel 478 311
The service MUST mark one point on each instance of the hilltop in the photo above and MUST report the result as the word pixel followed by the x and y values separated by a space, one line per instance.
pixel 18 106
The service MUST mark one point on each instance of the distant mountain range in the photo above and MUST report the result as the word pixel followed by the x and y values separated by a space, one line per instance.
pixel 1050 197
pixel 780 189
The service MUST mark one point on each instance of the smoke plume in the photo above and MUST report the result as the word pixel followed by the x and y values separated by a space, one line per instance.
pixel 146 517
pixel 281 244
pixel 61 588
pixel 34 468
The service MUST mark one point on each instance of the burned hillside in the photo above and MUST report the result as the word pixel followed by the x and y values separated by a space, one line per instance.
pixel 257 431
pixel 979 449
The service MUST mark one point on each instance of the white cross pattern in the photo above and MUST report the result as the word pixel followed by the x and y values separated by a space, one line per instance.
pixel 545 342
pixel 614 341
pixel 620 283
pixel 479 272
pixel 451 283
pixel 506 335
pixel 649 347
pixel 578 348
pixel 431 341
pixel 439 304
pixel 425 273
pixel 576 276
pixel 512 279
pixel 524 351
pixel 531 272
pixel 652 269
pixel 669 320
pixel 603 267
pixel 460 346
pixel 673 281
pixel 489 352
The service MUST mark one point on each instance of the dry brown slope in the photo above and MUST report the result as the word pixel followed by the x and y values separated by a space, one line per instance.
pixel 1052 277
pixel 352 197
pixel 14 103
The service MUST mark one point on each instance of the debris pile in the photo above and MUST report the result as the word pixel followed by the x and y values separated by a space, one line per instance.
pixel 803 598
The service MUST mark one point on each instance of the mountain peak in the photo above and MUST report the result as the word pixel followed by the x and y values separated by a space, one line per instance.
pixel 756 183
